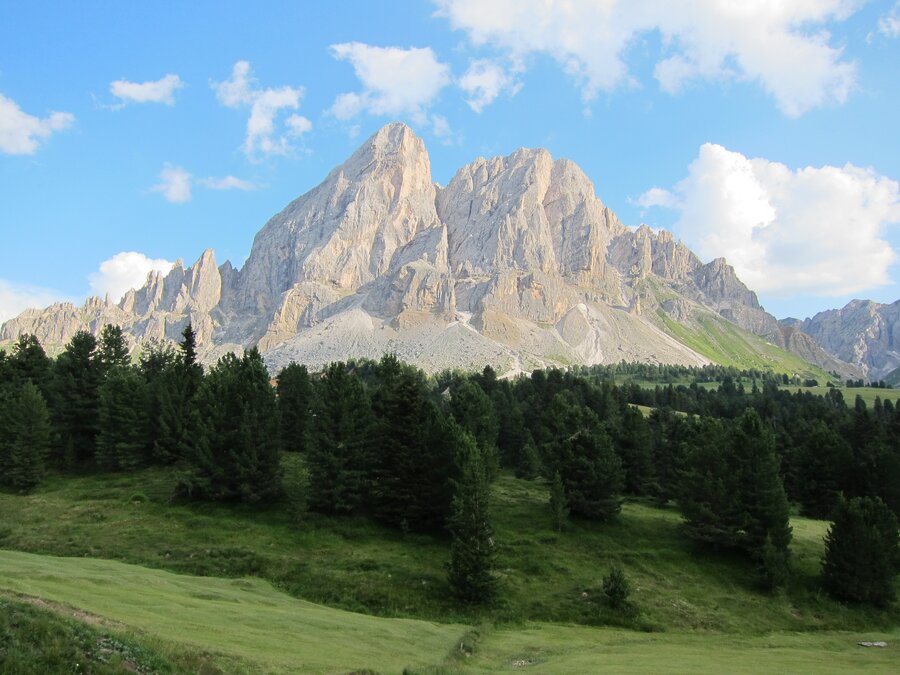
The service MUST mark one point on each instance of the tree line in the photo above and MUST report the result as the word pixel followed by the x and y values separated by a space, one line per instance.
pixel 383 440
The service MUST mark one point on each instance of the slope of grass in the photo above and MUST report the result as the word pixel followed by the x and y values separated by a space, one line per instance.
pixel 36 639
pixel 353 564
pixel 868 394
pixel 724 343
pixel 243 618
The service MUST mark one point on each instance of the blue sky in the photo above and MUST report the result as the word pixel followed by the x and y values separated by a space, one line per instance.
pixel 133 134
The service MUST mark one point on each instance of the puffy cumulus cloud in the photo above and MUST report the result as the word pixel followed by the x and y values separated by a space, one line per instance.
pixel 782 45
pixel 174 184
pixel 889 24
pixel 124 271
pixel 265 135
pixel 16 298
pixel 483 82
pixel 158 91
pixel 21 133
pixel 813 230
pixel 395 81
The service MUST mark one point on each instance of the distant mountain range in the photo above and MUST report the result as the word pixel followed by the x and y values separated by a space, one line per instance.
pixel 516 263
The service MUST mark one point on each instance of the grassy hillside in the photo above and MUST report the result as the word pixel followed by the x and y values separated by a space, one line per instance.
pixel 276 584
pixel 729 345
pixel 242 618
pixel 353 564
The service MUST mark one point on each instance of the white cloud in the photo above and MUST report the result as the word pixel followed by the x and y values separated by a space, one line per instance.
pixel 21 133
pixel 124 271
pixel 16 298
pixel 228 183
pixel 889 24
pixel 174 184
pixel 483 82
pixel 395 81
pixel 781 45
pixel 813 230
pixel 263 135
pixel 159 91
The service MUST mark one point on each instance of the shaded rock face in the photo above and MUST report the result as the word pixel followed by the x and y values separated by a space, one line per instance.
pixel 516 263
pixel 865 333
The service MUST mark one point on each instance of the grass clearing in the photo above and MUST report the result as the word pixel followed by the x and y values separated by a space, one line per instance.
pixel 868 394
pixel 245 619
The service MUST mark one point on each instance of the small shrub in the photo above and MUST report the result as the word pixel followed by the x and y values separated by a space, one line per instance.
pixel 616 588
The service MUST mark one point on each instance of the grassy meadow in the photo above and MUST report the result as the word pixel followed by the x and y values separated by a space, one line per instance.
pixel 260 587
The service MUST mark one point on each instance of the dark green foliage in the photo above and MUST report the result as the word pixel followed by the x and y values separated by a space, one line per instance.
pixel 337 454
pixel 112 349
pixel 77 390
pixel 474 412
pixel 29 362
pixel 121 441
pixel 862 552
pixel 581 452
pixel 24 438
pixel 616 588
pixel 559 505
pixel 414 451
pixel 294 404
pixel 174 386
pixel 472 548
pixel 823 460
pixel 236 456
pixel 732 494
pixel 635 447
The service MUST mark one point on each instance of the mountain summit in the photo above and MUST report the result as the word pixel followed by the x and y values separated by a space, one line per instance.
pixel 515 263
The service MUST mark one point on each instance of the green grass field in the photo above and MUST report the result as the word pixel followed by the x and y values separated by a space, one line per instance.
pixel 273 564
pixel 868 394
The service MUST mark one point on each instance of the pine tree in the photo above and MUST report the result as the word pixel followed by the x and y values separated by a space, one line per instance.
pixel 414 451
pixel 294 403
pixel 862 552
pixel 112 349
pixel 120 441
pixel 581 451
pixel 337 455
pixel 29 362
pixel 26 439
pixel 474 412
pixel 174 403
pixel 77 379
pixel 237 454
pixel 472 549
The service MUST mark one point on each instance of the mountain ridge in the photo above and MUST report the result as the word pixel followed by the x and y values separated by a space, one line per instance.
pixel 514 263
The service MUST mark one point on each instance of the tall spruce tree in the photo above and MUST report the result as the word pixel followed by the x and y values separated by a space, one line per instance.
pixel 77 379
pixel 120 442
pixel 581 451
pixel 862 552
pixel 414 451
pixel 472 548
pixel 295 397
pixel 337 454
pixel 176 430
pixel 25 440
pixel 237 454
pixel 112 349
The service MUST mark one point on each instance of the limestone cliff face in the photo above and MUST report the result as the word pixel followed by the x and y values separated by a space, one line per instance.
pixel 516 263
pixel 863 332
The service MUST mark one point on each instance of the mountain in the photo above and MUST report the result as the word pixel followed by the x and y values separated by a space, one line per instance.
pixel 863 332
pixel 515 263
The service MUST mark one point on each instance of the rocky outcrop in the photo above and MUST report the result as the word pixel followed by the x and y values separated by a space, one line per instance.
pixel 864 333
pixel 516 263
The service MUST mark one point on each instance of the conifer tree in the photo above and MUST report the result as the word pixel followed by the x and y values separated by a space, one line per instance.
pixel 112 349
pixel 472 549
pixel 174 403
pixel 559 506
pixel 120 441
pixel 862 552
pixel 29 362
pixel 474 412
pixel 77 379
pixel 25 439
pixel 236 455
pixel 294 403
pixel 581 451
pixel 414 451
pixel 337 455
